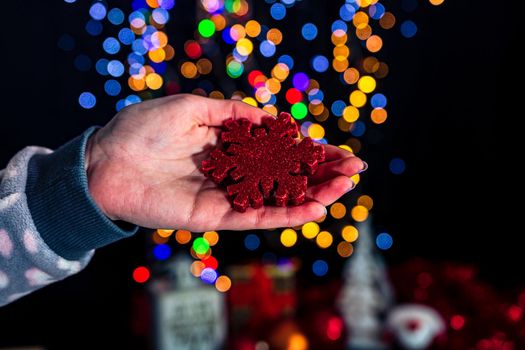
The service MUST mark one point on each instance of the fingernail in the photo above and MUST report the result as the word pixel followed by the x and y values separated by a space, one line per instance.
pixel 352 186
pixel 325 211
pixel 365 166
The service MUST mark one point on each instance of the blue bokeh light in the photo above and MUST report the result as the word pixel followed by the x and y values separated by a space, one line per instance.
pixel 278 11
pixel 87 100
pixel 252 242
pixel 320 268
pixel 66 42
pixel 408 29
pixel 94 27
pixel 378 101
pixel 286 59
pixel 397 166
pixel 339 25
pixel 97 11
pixel 208 275
pixel 115 68
pixel 102 66
pixel 376 11
pixel 337 108
pixel 112 87
pixel 162 251
pixel 358 129
pixel 126 36
pixel 116 16
pixel 384 241
pixel 267 48
pixel 82 63
pixel 309 31
pixel 111 45
pixel 347 12
pixel 320 63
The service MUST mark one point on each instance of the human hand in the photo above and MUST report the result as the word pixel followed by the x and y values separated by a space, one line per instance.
pixel 143 168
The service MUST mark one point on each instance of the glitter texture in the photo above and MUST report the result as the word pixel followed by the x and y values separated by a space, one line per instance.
pixel 263 164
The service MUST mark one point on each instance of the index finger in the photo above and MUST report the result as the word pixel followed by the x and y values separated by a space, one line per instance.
pixel 217 111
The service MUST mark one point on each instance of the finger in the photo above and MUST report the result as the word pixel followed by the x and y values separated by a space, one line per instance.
pixel 217 111
pixel 348 166
pixel 328 192
pixel 334 152
pixel 272 217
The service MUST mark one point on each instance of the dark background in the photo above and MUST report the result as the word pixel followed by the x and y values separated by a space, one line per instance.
pixel 451 109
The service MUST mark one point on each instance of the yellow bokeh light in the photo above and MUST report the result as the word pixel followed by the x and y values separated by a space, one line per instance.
pixel 244 46
pixel 280 71
pixel 356 177
pixel 379 115
pixel 371 64
pixel 153 3
pixel 351 76
pixel 345 249
pixel 273 85
pixel 164 233
pixel 216 94
pixel 275 36
pixel 159 39
pixel 321 219
pixel 253 28
pixel 136 84
pixel 196 268
pixel 367 84
pixel 297 341
pixel 182 236
pixel 346 147
pixel 288 237
pixel 365 201
pixel 158 239
pixel 340 64
pixel 350 114
pixel 338 210
pixel 436 2
pixel 323 116
pixel 350 233
pixel 341 51
pixel 170 52
pixel 316 108
pixel 324 239
pixel 223 283
pixel 157 55
pixel 363 32
pixel 154 81
pixel 357 98
pixel 271 109
pixel 360 20
pixel 387 21
pixel 262 94
pixel 189 70
pixel 339 37
pixel 316 131
pixel 343 125
pixel 219 21
pixel 310 230
pixel 204 66
pixel 250 100
pixel 237 32
pixel 212 237
pixel 374 43
pixel 382 71
pixel 359 213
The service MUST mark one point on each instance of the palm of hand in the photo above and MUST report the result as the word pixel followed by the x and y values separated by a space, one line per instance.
pixel 143 167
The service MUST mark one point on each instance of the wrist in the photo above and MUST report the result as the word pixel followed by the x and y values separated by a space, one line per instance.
pixel 95 160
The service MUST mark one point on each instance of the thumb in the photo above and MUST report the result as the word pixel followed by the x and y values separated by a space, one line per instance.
pixel 217 111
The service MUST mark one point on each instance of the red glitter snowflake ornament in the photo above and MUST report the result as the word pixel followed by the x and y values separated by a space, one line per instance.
pixel 263 163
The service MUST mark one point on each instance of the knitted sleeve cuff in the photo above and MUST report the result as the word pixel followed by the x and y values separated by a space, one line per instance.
pixel 63 211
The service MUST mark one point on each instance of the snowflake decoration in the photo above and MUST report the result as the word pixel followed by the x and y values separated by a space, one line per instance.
pixel 263 163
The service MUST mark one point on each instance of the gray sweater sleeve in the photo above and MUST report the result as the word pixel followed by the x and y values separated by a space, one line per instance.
pixel 49 223
pixel 26 261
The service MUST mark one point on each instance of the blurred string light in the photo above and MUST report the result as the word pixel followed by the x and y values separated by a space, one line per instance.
pixel 134 67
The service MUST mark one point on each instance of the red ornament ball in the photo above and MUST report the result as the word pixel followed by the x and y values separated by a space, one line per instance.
pixel 263 163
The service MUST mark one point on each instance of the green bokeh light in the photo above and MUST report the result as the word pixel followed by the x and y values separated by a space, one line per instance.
pixel 206 28
pixel 299 110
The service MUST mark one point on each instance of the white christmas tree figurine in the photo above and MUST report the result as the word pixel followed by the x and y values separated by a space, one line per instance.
pixel 366 294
